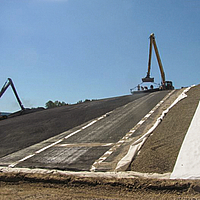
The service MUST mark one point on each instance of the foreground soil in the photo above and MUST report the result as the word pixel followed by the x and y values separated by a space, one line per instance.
pixel 37 186
pixel 160 151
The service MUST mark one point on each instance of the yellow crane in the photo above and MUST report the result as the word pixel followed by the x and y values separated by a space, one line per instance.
pixel 165 85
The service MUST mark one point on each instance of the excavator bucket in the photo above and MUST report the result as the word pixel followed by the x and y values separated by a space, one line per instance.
pixel 147 79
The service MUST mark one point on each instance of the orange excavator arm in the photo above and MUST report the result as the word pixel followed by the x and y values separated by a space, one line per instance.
pixel 158 58
pixel 153 43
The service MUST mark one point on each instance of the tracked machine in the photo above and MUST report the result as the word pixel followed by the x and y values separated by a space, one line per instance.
pixel 8 83
pixel 23 110
pixel 165 85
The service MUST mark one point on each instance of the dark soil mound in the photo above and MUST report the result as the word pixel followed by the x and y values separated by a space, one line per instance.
pixel 24 130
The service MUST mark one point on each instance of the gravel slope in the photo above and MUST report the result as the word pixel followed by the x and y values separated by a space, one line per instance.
pixel 159 153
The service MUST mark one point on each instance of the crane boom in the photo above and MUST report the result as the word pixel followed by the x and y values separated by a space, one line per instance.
pixel 158 58
pixel 8 83
pixel 148 78
pixel 165 84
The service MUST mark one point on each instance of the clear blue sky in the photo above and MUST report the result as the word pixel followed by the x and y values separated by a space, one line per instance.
pixel 71 50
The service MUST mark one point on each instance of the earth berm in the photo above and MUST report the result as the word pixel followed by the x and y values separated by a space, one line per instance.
pixel 158 155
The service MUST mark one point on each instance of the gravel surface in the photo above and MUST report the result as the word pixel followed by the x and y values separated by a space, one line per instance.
pixel 159 153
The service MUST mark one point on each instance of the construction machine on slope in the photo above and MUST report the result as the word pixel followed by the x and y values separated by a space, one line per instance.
pixel 8 83
pixel 23 110
pixel 165 85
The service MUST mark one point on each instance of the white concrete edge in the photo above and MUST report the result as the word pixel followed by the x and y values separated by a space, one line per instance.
pixel 134 148
pixel 188 160
pixel 86 174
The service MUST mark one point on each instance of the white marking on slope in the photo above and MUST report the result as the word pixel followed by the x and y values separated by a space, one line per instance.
pixel 85 145
pixel 188 161
pixel 72 133
pixel 23 159
pixel 141 122
pixel 59 141
pixel 127 136
pixel 134 148
pixel 47 147
pixel 89 124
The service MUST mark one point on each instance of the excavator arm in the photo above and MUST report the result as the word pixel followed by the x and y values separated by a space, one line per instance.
pixel 4 88
pixel 153 43
pixel 158 58
pixel 148 78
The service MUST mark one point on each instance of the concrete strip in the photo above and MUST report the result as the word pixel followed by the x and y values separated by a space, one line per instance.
pixel 188 161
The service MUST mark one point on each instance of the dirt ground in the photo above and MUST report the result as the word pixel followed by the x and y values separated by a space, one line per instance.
pixel 36 186
pixel 160 151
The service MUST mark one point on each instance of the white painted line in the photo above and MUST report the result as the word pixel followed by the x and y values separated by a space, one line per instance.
pixel 93 168
pixel 136 146
pixel 23 159
pixel 90 124
pixel 64 145
pixel 120 141
pixel 84 145
pixel 147 116
pixel 141 122
pixel 100 118
pixel 47 147
pixel 109 144
pixel 108 152
pixel 72 134
pixel 130 133
pixel 53 144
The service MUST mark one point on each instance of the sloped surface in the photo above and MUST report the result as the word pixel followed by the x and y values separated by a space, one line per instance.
pixel 160 151
pixel 19 132
pixel 188 161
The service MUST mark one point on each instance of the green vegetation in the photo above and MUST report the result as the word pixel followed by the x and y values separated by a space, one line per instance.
pixel 51 104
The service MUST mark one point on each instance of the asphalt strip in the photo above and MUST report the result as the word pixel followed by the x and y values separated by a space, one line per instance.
pixel 188 160
pixel 137 145
pixel 58 141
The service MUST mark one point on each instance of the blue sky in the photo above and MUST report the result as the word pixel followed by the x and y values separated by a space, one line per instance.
pixel 71 50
